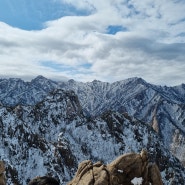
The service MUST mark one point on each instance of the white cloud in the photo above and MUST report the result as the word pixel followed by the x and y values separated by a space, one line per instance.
pixel 152 47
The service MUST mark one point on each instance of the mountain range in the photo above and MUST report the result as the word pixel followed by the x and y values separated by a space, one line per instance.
pixel 48 127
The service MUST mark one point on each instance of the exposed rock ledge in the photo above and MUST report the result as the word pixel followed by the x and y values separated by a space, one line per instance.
pixel 119 172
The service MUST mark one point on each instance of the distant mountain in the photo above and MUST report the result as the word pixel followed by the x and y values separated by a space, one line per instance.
pixel 161 107
pixel 15 91
pixel 53 136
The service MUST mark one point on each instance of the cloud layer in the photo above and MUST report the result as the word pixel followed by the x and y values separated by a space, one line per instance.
pixel 114 40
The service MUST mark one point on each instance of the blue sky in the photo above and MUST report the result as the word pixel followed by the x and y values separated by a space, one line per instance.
pixel 106 40
pixel 31 15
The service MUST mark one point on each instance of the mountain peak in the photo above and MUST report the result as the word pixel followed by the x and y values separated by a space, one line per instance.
pixel 39 77
pixel 136 80
pixel 71 81
pixel 96 81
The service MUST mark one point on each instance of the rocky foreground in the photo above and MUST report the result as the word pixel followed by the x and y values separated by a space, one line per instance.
pixel 120 171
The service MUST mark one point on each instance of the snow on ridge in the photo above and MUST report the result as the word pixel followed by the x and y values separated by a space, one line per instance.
pixel 36 128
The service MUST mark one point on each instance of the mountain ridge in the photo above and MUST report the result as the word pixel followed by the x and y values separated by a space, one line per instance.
pixel 54 120
pixel 53 136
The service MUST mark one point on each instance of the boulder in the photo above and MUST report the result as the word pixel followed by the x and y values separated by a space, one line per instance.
pixel 120 171
pixel 91 174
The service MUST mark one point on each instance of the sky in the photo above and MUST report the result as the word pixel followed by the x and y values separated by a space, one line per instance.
pixel 84 40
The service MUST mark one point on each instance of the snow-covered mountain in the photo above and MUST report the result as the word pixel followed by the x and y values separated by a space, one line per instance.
pixel 51 134
pixel 163 108
pixel 15 91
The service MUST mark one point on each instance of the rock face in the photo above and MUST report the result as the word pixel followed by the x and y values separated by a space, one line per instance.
pixel 2 175
pixel 120 171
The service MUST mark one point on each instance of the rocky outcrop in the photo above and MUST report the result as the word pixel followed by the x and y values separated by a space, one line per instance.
pixel 2 176
pixel 120 171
